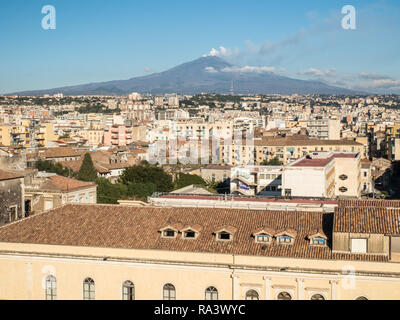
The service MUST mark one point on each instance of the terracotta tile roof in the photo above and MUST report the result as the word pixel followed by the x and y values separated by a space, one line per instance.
pixel 137 228
pixel 65 184
pixel 376 220
pixel 374 203
pixel 5 175
pixel 76 165
pixel 59 152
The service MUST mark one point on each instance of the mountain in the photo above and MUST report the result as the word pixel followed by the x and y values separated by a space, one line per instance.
pixel 207 74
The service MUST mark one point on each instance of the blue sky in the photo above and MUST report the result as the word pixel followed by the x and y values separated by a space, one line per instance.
pixel 98 40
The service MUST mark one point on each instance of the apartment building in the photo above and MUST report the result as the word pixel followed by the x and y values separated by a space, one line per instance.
pixel 257 180
pixel 286 149
pixel 118 135
pixel 324 175
pixel 223 254
pixel 5 135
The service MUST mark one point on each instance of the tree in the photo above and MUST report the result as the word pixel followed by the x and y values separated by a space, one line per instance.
pixel 141 190
pixel 273 162
pixel 148 174
pixel 109 193
pixel 87 172
pixel 184 180
pixel 48 166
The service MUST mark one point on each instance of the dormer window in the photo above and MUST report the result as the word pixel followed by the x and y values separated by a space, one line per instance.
pixel 318 241
pixel 191 231
pixel 286 236
pixel 224 236
pixel 264 235
pixel 263 238
pixel 317 238
pixel 169 233
pixel 189 234
pixel 226 233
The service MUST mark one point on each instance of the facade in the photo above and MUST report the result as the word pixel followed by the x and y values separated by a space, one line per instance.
pixel 215 173
pixel 325 175
pixel 260 255
pixel 118 135
pixel 286 150
pixel 5 135
pixel 11 197
pixel 48 191
pixel 257 180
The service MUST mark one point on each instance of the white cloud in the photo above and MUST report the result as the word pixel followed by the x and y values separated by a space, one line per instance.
pixel 211 69
pixel 373 76
pixel 222 52
pixel 249 69
pixel 380 84
pixel 317 73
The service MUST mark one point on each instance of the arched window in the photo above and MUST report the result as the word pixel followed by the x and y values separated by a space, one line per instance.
pixel 284 296
pixel 169 292
pixel 211 293
pixel 88 289
pixel 51 288
pixel 128 290
pixel 252 295
pixel 361 298
pixel 317 297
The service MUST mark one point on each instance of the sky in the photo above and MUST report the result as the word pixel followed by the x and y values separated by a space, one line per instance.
pixel 99 40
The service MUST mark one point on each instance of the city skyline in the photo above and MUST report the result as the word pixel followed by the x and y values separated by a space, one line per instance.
pixel 121 40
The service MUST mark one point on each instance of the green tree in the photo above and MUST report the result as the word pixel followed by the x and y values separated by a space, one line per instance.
pixel 184 180
pixel 148 174
pixel 273 162
pixel 48 166
pixel 109 193
pixel 87 172
pixel 141 190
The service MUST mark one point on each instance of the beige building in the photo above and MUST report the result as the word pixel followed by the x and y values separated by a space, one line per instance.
pixel 52 191
pixel 325 175
pixel 116 252
pixel 285 149
pixel 5 135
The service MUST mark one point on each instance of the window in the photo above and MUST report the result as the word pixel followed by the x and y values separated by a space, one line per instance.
pixel 128 290
pixel 343 189
pixel 169 292
pixel 168 233
pixel 224 236
pixel 263 238
pixel 285 239
pixel 284 296
pixel 51 288
pixel 361 298
pixel 317 297
pixel 252 295
pixel 358 245
pixel 211 293
pixel 88 289
pixel 343 177
pixel 13 213
pixel 189 234
pixel 318 241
